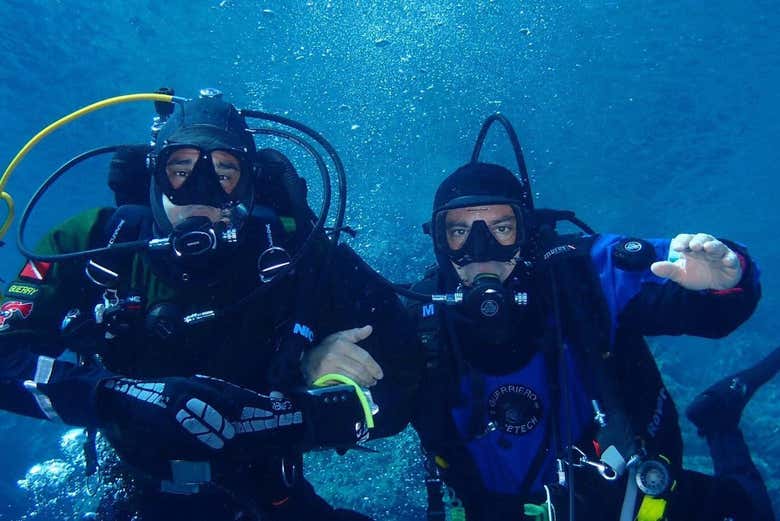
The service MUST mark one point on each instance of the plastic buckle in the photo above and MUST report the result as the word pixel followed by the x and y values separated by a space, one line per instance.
pixel 101 275
pixel 289 477
pixel 186 477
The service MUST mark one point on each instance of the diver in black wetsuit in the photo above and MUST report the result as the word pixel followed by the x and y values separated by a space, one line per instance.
pixel 205 285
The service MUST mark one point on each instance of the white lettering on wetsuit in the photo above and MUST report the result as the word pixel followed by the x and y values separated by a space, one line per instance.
pixel 516 409
pixel 658 413
pixel 524 428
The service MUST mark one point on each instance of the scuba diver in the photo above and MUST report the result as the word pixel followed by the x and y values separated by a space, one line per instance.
pixel 174 325
pixel 541 399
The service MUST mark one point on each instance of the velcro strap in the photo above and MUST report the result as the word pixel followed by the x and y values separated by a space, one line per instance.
pixel 43 370
pixel 43 401
pixel 186 477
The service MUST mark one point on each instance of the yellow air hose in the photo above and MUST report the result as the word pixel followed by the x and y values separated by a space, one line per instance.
pixel 5 196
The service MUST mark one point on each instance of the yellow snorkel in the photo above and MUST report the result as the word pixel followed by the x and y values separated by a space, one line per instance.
pixel 5 196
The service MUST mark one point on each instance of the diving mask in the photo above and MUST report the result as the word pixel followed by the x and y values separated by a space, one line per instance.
pixel 189 175
pixel 478 232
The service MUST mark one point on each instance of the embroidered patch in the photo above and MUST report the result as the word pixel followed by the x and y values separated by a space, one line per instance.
pixel 14 309
pixel 515 409
pixel 35 270
pixel 22 290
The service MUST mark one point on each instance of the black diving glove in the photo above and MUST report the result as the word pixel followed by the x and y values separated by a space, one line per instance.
pixel 200 418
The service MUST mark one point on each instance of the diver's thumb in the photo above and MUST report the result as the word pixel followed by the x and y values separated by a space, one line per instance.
pixel 358 334
pixel 667 270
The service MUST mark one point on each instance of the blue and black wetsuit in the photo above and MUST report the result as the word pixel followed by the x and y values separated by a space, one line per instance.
pixel 499 427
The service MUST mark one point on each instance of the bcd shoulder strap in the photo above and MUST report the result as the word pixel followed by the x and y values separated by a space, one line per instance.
pixel 126 224
pixel 620 380
pixel 427 317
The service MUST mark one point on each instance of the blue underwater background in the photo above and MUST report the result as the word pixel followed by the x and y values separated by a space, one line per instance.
pixel 647 118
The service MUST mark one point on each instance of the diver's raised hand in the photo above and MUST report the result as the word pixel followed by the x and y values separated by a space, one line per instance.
pixel 340 353
pixel 704 263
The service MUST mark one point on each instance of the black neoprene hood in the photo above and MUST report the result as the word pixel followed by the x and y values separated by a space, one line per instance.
pixel 478 183
pixel 207 123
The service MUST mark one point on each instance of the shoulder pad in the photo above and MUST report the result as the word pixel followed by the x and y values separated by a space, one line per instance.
pixel 128 175
pixel 428 284
pixel 279 186
pixel 632 254
pixel 130 222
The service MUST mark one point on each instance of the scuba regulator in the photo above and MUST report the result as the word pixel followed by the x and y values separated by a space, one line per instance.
pixel 488 299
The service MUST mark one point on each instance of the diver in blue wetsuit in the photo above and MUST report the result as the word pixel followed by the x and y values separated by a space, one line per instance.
pixel 555 389
pixel 541 399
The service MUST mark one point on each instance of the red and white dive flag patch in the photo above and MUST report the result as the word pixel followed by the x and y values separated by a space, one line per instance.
pixel 14 309
pixel 35 270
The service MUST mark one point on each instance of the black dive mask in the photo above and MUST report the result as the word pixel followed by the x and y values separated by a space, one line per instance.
pixel 217 178
pixel 478 241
